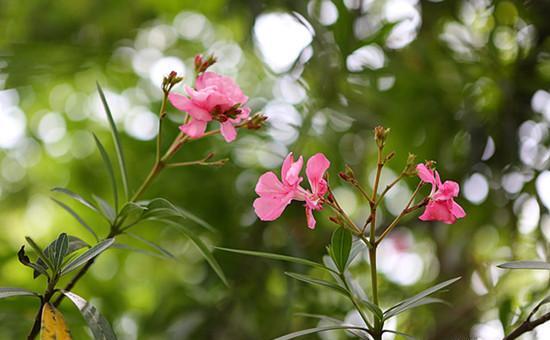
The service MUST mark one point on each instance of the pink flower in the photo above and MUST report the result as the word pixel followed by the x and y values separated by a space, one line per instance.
pixel 441 205
pixel 215 97
pixel 276 194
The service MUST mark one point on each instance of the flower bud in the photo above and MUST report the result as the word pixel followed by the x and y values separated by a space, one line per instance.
pixel 256 122
pixel 389 156
pixel 169 81
pixel 410 167
pixel 380 134
pixel 202 64
pixel 337 220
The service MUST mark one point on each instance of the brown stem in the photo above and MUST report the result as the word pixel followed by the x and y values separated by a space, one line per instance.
pixel 527 326
pixel 74 280
pixel 50 290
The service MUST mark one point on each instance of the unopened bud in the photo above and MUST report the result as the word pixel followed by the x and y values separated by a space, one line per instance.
pixel 337 220
pixel 347 175
pixel 380 134
pixel 410 167
pixel 169 81
pixel 389 156
pixel 202 64
pixel 256 122
pixel 330 198
pixel 209 156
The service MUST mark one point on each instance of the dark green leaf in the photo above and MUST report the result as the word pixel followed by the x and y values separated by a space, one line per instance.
pixel 318 330
pixel 24 259
pixel 340 247
pixel 526 265
pixel 318 282
pixel 116 138
pixel 58 251
pixel 110 171
pixel 77 217
pixel 375 310
pixel 330 319
pixel 277 257
pixel 106 210
pixel 39 252
pixel 88 255
pixel 412 300
pixel 6 292
pixel 100 327
pixel 74 244
pixel 158 248
pixel 131 213
pixel 76 197
pixel 202 248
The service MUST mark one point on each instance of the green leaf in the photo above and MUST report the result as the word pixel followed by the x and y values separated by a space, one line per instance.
pixel 38 268
pixel 110 171
pixel 318 330
pixel 327 318
pixel 116 138
pixel 525 265
pixel 163 252
pixel 106 210
pixel 422 302
pixel 39 252
pixel 77 217
pixel 412 300
pixel 161 208
pixel 375 310
pixel 277 257
pixel 406 336
pixel 318 282
pixel 340 247
pixel 124 246
pixel 100 327
pixel 202 248
pixel 76 197
pixel 74 244
pixel 6 292
pixel 59 249
pixel 88 255
pixel 131 213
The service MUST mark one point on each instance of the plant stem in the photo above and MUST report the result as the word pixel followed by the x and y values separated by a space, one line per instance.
pixel 50 290
pixel 354 301
pixel 527 326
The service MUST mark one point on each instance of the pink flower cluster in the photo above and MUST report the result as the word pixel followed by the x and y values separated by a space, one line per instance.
pixel 215 97
pixel 276 194
pixel 441 205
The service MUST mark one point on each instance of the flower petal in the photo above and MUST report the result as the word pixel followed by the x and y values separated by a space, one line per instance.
pixel 438 211
pixel 270 208
pixel 194 129
pixel 269 185
pixel 311 222
pixel 447 191
pixel 290 172
pixel 228 131
pixel 426 175
pixel 457 210
pixel 316 167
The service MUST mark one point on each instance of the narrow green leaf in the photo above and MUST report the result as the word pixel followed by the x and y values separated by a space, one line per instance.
pixel 277 257
pixel 6 292
pixel 327 318
pixel 74 244
pixel 124 246
pixel 160 207
pixel 410 301
pixel 77 217
pixel 375 310
pixel 318 330
pixel 116 138
pixel 106 210
pixel 76 197
pixel 340 247
pixel 88 255
pixel 58 251
pixel 100 327
pixel 318 282
pixel 39 251
pixel 110 171
pixel 525 265
pixel 406 336
pixel 406 307
pixel 202 248
pixel 153 245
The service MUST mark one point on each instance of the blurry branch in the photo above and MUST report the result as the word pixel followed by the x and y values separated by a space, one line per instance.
pixel 528 325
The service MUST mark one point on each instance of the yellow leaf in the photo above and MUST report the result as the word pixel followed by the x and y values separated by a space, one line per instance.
pixel 53 324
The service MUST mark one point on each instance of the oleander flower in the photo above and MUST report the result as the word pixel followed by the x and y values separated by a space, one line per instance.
pixel 276 195
pixel 441 205
pixel 215 97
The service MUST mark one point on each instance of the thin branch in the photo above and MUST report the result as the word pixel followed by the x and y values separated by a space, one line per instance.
pixel 527 326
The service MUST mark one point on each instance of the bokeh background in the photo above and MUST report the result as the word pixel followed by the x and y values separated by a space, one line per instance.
pixel 463 82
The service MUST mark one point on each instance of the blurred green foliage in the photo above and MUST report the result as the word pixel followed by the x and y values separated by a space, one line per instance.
pixel 461 82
